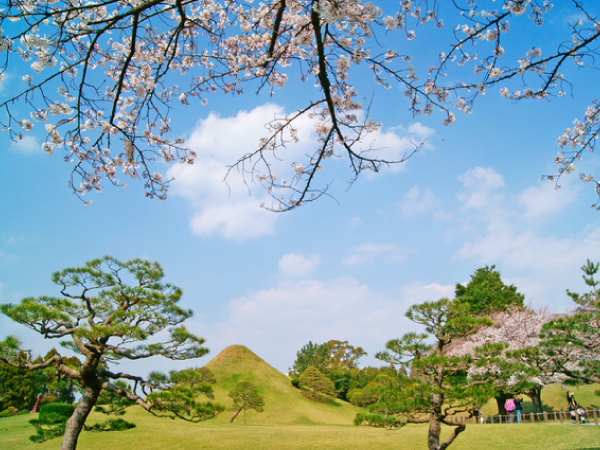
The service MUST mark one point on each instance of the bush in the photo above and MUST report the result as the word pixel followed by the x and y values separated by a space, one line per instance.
pixel 378 421
pixel 5 413
pixel 56 412
pixel 51 421
pixel 111 425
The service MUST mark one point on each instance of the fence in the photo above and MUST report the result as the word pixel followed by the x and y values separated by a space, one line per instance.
pixel 590 416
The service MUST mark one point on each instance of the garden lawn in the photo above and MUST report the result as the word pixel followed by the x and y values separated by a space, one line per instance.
pixel 163 434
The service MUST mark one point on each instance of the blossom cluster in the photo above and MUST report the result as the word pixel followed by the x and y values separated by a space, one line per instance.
pixel 103 76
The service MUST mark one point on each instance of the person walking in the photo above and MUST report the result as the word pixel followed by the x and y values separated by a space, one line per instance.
pixel 571 400
pixel 509 406
pixel 518 407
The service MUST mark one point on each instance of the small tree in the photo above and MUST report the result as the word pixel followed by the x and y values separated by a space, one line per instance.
pixel 245 396
pixel 438 387
pixel 106 320
pixel 316 386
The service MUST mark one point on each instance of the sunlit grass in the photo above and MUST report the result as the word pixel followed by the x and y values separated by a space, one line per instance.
pixel 161 434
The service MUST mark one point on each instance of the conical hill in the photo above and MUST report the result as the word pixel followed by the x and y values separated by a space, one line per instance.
pixel 283 402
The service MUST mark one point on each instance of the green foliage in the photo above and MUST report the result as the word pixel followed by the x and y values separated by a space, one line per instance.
pixel 6 413
pixel 437 387
pixel 18 386
pixel 245 396
pixel 316 386
pixel 118 424
pixel 338 360
pixel 486 293
pixel 571 342
pixel 378 420
pixel 54 410
pixel 112 403
pixel 315 355
pixel 107 307
pixel 179 396
pixel 51 421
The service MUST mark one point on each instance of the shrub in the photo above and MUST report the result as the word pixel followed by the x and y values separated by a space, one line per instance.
pixel 51 421
pixel 56 412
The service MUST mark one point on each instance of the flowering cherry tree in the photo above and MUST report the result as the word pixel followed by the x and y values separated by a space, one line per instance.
pixel 101 77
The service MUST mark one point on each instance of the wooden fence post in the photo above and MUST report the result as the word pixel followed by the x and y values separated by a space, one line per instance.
pixel 545 416
pixel 531 415
pixel 595 417
pixel 562 416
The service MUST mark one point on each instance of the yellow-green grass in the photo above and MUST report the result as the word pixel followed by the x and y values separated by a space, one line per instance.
pixel 284 404
pixel 153 433
pixel 291 421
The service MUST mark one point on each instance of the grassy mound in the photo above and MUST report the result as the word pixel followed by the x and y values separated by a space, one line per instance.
pixel 283 403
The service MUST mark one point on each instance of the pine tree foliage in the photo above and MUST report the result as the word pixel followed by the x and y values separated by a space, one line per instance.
pixel 109 311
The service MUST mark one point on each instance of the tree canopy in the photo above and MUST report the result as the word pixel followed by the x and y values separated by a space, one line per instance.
pixel 438 387
pixel 102 77
pixel 245 396
pixel 486 293
pixel 110 311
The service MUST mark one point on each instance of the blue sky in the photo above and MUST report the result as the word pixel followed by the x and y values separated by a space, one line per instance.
pixel 345 267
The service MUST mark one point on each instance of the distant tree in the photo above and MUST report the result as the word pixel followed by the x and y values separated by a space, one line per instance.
pixel 442 388
pixel 517 329
pixel 245 396
pixel 342 355
pixel 19 387
pixel 486 293
pixel 104 317
pixel 316 386
pixel 315 355
pixel 338 360
pixel 570 343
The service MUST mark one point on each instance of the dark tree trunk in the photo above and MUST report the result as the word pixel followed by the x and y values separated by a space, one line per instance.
pixel 535 394
pixel 433 438
pixel 500 400
pixel 235 415
pixel 75 423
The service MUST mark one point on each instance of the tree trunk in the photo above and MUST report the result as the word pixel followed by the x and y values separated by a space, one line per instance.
pixel 235 415
pixel 535 394
pixel 75 423
pixel 500 400
pixel 433 439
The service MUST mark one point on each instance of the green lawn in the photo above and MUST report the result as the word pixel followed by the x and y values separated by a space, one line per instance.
pixel 162 434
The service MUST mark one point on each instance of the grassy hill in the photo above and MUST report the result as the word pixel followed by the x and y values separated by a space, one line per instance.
pixel 283 403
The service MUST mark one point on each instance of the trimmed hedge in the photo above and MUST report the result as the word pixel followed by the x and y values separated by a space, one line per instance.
pixel 56 412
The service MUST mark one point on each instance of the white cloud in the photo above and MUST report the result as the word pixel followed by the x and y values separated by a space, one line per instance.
pixel 545 199
pixel 397 143
pixel 416 293
pixel 28 145
pixel 369 252
pixel 480 185
pixel 294 265
pixel 415 201
pixel 528 258
pixel 224 203
pixel 228 204
pixel 277 322
pixel 234 220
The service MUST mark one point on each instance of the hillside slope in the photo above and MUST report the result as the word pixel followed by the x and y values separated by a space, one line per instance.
pixel 283 402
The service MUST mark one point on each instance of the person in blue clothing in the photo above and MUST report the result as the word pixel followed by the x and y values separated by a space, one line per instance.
pixel 518 407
